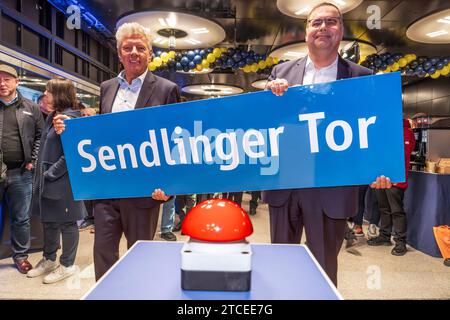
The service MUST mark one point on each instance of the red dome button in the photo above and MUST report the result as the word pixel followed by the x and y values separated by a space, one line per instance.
pixel 217 220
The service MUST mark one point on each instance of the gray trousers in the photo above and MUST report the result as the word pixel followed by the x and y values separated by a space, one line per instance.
pixel 68 231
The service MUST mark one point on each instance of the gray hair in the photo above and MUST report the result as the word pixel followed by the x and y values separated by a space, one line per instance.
pixel 133 28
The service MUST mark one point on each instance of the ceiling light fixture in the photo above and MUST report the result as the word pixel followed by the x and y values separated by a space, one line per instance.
pixel 437 33
pixel 180 30
pixel 301 8
pixel 212 89
pixel 433 29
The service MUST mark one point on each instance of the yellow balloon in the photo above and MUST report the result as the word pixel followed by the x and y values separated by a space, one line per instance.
pixel 436 75
pixel 262 64
pixel 445 71
pixel 211 57
pixel 224 49
pixel 172 54
pixel 205 63
pixel 247 68
pixel 217 52
pixel 402 62
pixel 275 60
pixel 394 66
pixel 151 66
pixel 254 67
pixel 164 56
pixel 388 69
pixel 269 61
pixel 413 56
pixel 199 67
pixel 157 61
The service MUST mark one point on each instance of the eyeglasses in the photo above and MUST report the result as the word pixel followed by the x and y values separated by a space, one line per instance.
pixel 329 22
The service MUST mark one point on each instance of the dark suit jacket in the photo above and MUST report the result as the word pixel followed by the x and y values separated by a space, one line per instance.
pixel 155 91
pixel 337 202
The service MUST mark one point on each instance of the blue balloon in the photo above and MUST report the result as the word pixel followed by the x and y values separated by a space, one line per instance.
pixel 184 61
pixel 190 55
pixel 427 65
pixel 421 73
pixel 418 69
pixel 434 60
pixel 439 65
pixel 244 54
pixel 178 66
pixel 209 50
pixel 409 72
pixel 186 68
pixel 377 62
pixel 432 70
pixel 383 66
pixel 192 65
pixel 390 61
pixel 231 51
pixel 249 60
pixel 196 51
pixel 237 57
pixel 198 59
pixel 230 62
pixel 223 56
pixel 202 53
pixel 241 64
pixel 158 53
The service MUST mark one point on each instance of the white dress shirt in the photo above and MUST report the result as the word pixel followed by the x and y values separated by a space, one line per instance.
pixel 325 74
pixel 127 94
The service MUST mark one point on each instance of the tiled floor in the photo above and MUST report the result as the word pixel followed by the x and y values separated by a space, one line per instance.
pixel 364 272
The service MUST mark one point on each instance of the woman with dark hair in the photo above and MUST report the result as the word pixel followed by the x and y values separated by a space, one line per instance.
pixel 52 194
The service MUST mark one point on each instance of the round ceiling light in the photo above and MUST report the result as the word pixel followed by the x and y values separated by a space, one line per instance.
pixel 177 30
pixel 259 84
pixel 434 28
pixel 300 49
pixel 301 8
pixel 212 89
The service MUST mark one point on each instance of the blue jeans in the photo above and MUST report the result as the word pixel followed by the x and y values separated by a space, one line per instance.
pixel 168 216
pixel 15 193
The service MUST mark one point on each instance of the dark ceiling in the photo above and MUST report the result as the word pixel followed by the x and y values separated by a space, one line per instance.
pixel 261 25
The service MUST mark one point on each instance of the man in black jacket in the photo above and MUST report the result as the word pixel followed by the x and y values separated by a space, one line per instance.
pixel 21 124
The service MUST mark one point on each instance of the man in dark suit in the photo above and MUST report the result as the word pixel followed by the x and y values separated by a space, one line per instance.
pixel 321 211
pixel 135 87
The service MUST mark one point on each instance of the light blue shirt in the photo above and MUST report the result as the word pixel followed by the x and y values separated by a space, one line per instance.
pixel 127 94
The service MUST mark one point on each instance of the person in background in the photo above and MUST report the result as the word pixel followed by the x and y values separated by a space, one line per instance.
pixel 44 106
pixel 183 205
pixel 233 196
pixel 167 220
pixel 88 221
pixel 21 130
pixel 256 195
pixel 390 202
pixel 52 194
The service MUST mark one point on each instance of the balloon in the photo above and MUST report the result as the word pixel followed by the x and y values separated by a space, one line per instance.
pixel 241 64
pixel 190 55
pixel 197 59
pixel 205 63
pixel 276 60
pixel 151 66
pixel 247 69
pixel 210 57
pixel 172 54
pixel 199 67
pixel 157 61
pixel 191 65
pixel 439 65
pixel 202 53
pixel 164 57
pixel 426 65
pixel 171 62
pixel 402 62
pixel 262 64
pixel 158 53
pixel 178 66
pixel 269 61
pixel 395 67
pixel 196 51
pixel 184 61
pixel 249 60
pixel 445 71
pixel 237 57
pixel 254 67
pixel 178 56
pixel 435 75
